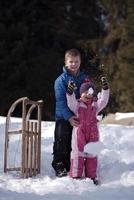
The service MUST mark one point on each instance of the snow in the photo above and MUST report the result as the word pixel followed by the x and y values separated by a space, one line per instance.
pixel 119 116
pixel 94 148
pixel 115 170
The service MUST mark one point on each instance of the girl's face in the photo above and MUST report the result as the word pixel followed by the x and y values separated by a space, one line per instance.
pixel 85 96
pixel 72 63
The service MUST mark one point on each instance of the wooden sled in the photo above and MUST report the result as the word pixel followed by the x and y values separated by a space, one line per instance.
pixel 30 136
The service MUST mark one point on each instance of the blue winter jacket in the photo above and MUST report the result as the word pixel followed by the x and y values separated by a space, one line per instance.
pixel 61 83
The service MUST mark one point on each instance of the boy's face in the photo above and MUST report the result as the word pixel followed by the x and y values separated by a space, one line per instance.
pixel 73 64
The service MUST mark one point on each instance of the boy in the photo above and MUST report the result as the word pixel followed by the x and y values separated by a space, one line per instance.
pixel 65 118
pixel 86 109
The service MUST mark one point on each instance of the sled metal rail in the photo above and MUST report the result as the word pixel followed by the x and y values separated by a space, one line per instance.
pixel 31 137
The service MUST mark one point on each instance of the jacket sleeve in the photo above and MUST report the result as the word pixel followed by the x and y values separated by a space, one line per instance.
pixel 103 100
pixel 61 100
pixel 72 103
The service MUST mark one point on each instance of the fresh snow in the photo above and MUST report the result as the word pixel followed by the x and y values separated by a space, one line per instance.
pixel 119 116
pixel 116 168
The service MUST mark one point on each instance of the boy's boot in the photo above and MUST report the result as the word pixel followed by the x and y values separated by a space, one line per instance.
pixel 60 170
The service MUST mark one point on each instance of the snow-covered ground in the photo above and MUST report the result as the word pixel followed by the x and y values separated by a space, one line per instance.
pixel 116 168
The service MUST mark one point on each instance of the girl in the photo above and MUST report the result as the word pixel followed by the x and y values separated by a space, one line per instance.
pixel 86 109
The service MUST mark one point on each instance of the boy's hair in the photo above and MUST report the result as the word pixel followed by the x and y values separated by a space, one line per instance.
pixel 72 52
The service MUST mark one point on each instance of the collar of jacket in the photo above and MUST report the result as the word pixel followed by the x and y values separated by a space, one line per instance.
pixel 65 70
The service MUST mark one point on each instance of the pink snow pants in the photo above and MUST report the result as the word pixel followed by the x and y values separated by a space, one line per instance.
pixel 83 164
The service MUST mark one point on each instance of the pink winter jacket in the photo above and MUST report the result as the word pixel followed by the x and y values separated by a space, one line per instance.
pixel 101 103
pixel 87 114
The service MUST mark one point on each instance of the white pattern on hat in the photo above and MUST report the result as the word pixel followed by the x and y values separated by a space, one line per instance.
pixel 90 90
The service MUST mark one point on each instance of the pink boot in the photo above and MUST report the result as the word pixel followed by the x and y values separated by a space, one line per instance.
pixel 76 168
pixel 90 167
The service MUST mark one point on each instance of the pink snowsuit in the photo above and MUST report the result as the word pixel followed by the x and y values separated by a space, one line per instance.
pixel 86 132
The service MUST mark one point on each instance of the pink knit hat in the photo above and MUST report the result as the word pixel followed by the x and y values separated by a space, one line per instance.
pixel 86 85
